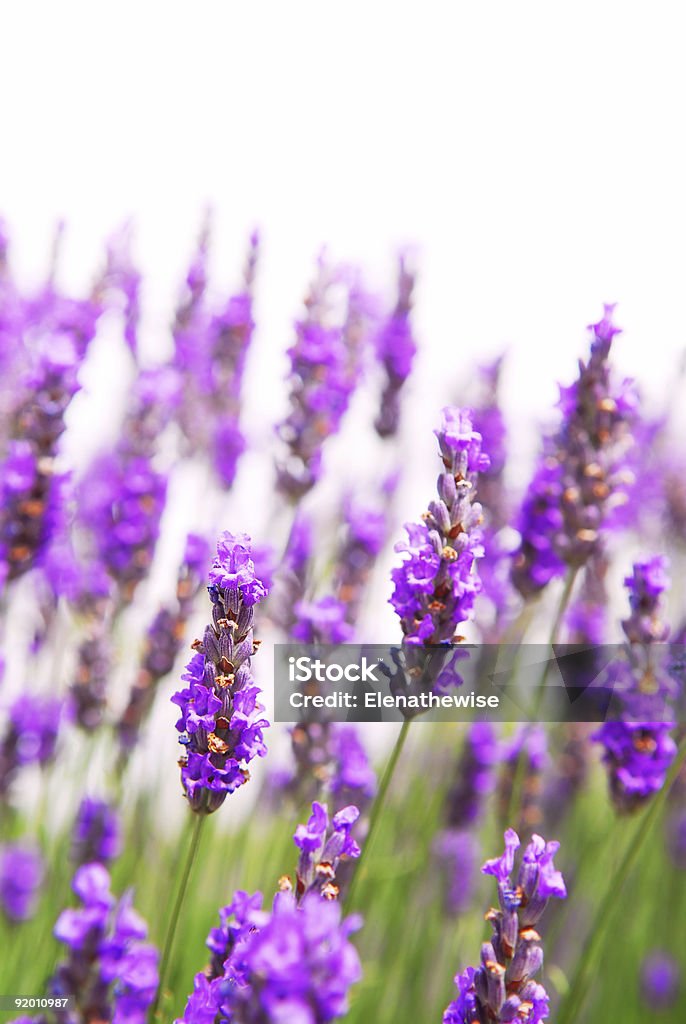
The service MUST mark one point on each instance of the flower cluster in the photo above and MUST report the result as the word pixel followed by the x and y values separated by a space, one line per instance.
pixel 110 971
pixel 639 752
pixel 395 350
pixel 210 351
pixel 503 988
pixel 365 531
pixel 322 844
pixel 435 586
pixel 582 475
pixel 97 834
pixel 324 370
pixel 21 874
pixel 221 719
pixel 31 735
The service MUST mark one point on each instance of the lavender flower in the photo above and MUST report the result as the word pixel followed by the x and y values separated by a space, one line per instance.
pixel 364 536
pixel 109 970
pixel 291 576
pixel 581 476
pixel 503 988
pixel 638 753
pixel 456 845
pixel 96 833
pixel 298 965
pixel 660 980
pixel 30 490
pixel 322 621
pixel 164 640
pixel 30 737
pixel 324 371
pixel 435 586
pixel 395 351
pixel 221 719
pixel 322 844
pixel 21 874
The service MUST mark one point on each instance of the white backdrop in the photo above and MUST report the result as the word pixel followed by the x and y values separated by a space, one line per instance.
pixel 533 153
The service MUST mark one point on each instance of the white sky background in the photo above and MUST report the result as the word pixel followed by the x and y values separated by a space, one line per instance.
pixel 533 152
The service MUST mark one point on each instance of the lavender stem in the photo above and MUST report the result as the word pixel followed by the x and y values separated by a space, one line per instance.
pixel 514 808
pixel 377 808
pixel 176 912
pixel 586 965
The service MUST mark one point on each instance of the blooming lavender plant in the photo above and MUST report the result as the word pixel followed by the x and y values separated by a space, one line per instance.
pixel 638 753
pixel 221 719
pixel 503 988
pixel 582 475
pixel 322 844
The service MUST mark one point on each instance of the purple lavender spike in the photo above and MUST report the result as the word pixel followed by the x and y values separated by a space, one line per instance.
pixel 221 719
pixel 582 475
pixel 109 970
pixel 21 875
pixel 503 988
pixel 638 753
pixel 324 369
pixel 395 351
pixel 30 737
pixel 97 834
pixel 528 747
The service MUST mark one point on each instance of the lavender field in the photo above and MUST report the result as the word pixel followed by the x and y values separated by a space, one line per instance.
pixel 168 852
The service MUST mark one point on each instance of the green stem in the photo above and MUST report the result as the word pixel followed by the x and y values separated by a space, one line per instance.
pixel 176 911
pixel 514 806
pixel 588 961
pixel 377 809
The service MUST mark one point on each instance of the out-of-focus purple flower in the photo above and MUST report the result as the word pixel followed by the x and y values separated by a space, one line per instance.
pixel 21 874
pixel 222 718
pixel 324 369
pixel 586 618
pixel 210 349
pixel 164 640
pixel 502 988
pixel 395 350
pixel 526 753
pixel 298 966
pixel 322 621
pixel 291 577
pixel 365 532
pixel 456 845
pixel 109 970
pixel 121 282
pixel 582 475
pixel 435 586
pixel 96 834
pixel 660 980
pixel 31 735
pixel 638 753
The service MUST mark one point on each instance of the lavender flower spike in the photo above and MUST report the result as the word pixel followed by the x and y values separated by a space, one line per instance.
pixel 221 719
pixel 435 586
pixel 639 752
pixel 503 988
pixel 395 350
pixel 583 473
pixel 322 844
